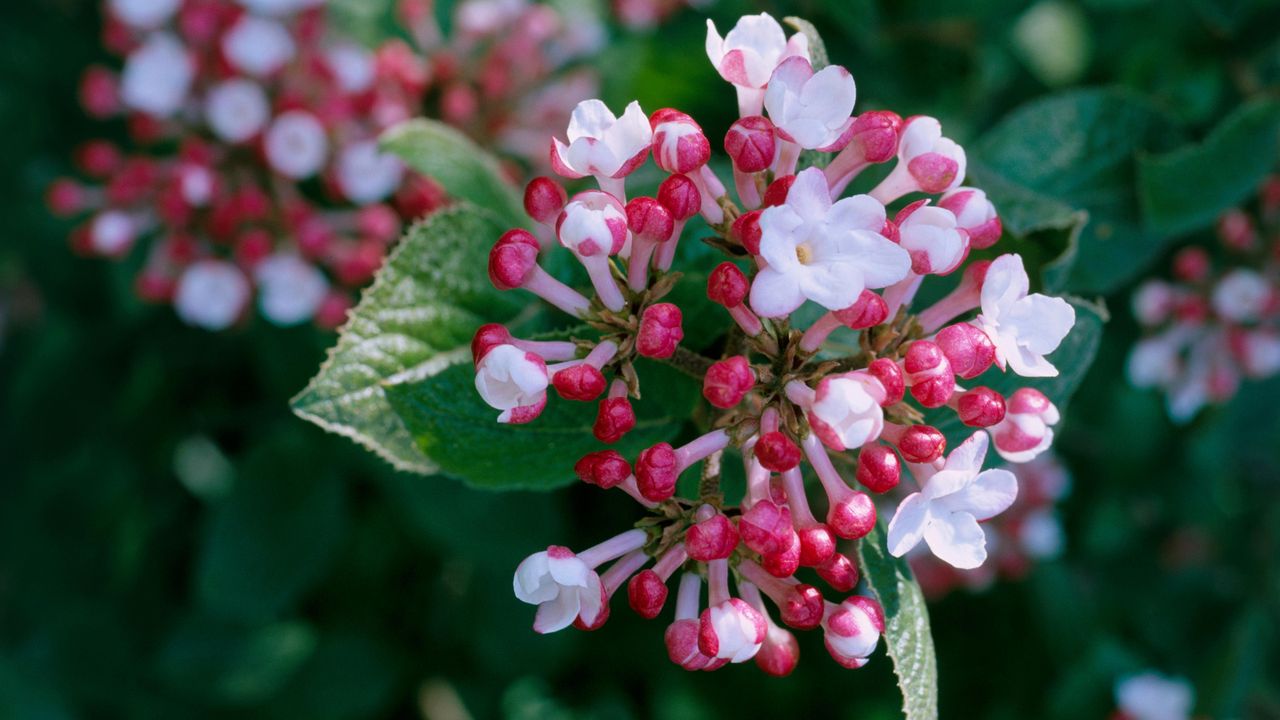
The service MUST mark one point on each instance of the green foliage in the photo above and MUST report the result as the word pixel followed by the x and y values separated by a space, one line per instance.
pixel 428 299
pixel 1188 188
pixel 453 160
pixel 232 664
pixel 906 617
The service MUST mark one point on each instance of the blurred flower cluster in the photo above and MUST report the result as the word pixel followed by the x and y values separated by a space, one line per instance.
pixel 1029 532
pixel 1217 321
pixel 252 165
pixel 784 397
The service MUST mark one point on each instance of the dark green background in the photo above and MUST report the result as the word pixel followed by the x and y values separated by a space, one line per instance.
pixel 323 584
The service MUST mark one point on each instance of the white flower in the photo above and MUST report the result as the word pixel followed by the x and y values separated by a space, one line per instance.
pixel 1260 353
pixel 1241 295
pixel 748 55
pixel 601 144
pixel 1153 361
pixel 157 76
pixel 561 585
pixel 513 381
pixel 237 109
pixel 484 17
pixel 258 46
pixel 1027 428
pixel 929 157
pixel 196 183
pixel 932 237
pixel 1024 328
pixel 366 174
pixel 112 232
pixel 813 110
pixel 823 252
pixel 1151 696
pixel 289 288
pixel 352 66
pixel 143 14
pixel 1152 302
pixel 1040 534
pixel 739 629
pixel 945 514
pixel 296 145
pixel 211 294
pixel 846 411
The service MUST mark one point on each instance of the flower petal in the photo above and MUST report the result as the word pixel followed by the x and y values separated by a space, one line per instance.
pixel 990 494
pixel 908 524
pixel 774 294
pixel 958 540
pixel 557 614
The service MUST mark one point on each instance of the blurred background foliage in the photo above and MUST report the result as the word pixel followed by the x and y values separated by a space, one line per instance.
pixel 175 543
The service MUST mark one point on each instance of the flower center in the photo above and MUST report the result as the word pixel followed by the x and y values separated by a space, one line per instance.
pixel 804 253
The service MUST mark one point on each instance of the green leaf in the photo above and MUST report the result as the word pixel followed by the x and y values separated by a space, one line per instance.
pixel 233 664
pixel 272 538
pixel 1079 148
pixel 906 620
pixel 458 164
pixel 1073 359
pixel 1188 188
pixel 457 430
pixel 817 48
pixel 427 300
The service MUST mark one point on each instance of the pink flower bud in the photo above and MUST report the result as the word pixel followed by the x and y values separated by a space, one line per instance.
pixel 839 572
pixel 980 407
pixel 711 539
pixel 975 215
pixel 890 377
pixel 868 311
pixel 593 223
pixel 1191 264
pixel 750 144
pixel 853 516
pixel 544 198
pixel 968 349
pixel 746 230
pixel 878 468
pixel 922 444
pixel 647 594
pixel 801 607
pixel 817 543
pixel 776 193
pixel 783 563
pixel 614 419
pixel 731 630
pixel 679 145
pixel 657 470
pixel 929 374
pixel 727 285
pixel 776 452
pixel 99 92
pixel 98 158
pixel 779 654
pixel 936 163
pixel 728 381
pixel 876 133
pixel 603 468
pixel 487 338
pixel 680 195
pixel 1026 430
pixel 580 382
pixel 660 331
pixel 649 220
pixel 1236 230
pixel 766 527
pixel 681 639
pixel 65 197
pixel 513 258
pixel 853 630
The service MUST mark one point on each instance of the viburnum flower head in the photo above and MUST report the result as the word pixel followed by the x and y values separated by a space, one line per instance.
pixel 1024 327
pixel 823 251
pixel 946 512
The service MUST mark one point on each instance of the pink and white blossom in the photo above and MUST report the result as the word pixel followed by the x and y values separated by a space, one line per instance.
pixel 1023 326
pixel 749 53
pixel 513 381
pixel 812 110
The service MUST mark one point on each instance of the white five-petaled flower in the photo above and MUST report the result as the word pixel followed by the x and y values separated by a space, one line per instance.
pixel 237 109
pixel 157 76
pixel 1241 295
pixel 211 294
pixel 934 240
pixel 946 512
pixel 846 411
pixel 366 174
pixel 748 55
pixel 561 585
pixel 513 381
pixel 813 110
pixel 296 145
pixel 258 46
pixel 1023 327
pixel 602 144
pixel 936 162
pixel 824 252
pixel 290 289
pixel 1151 696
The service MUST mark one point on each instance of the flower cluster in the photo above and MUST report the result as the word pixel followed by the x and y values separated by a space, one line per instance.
pixel 784 400
pixel 1027 533
pixel 258 169
pixel 1218 320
